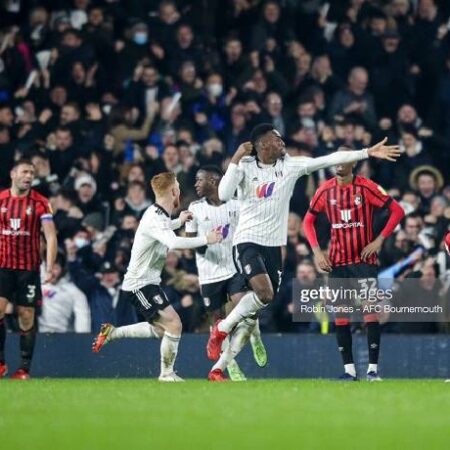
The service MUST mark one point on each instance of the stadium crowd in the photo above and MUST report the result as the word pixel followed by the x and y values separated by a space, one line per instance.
pixel 102 95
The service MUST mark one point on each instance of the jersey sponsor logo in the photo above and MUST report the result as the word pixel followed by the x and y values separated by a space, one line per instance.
pixel 14 224
pixel 265 190
pixel 15 229
pixel 346 216
pixel 224 230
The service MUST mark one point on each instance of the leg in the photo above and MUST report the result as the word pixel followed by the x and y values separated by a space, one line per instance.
pixel 27 335
pixel 373 341
pixel 263 282
pixel 170 322
pixel 3 304
pixel 136 330
pixel 344 341
pixel 259 351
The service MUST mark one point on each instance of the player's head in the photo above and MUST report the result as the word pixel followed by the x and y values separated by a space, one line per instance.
pixel 344 170
pixel 22 175
pixel 207 181
pixel 267 142
pixel 166 187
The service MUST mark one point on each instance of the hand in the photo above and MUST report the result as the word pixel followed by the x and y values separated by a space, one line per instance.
pixel 185 216
pixel 75 212
pixel 381 151
pixel 138 71
pixel 119 46
pixel 45 115
pixel 157 51
pixel 245 149
pixel 322 261
pixel 48 278
pixel 152 108
pixel 93 111
pixel 187 301
pixel 372 248
pixel 214 237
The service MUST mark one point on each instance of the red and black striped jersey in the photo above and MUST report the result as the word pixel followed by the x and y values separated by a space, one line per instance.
pixel 349 210
pixel 20 227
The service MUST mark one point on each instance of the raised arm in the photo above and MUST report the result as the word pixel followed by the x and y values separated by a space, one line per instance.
pixel 233 176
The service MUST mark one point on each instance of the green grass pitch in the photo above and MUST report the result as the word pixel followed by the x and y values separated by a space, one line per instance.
pixel 261 414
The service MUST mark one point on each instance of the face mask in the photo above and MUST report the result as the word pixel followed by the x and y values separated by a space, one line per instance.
pixel 81 242
pixel 140 38
pixel 215 89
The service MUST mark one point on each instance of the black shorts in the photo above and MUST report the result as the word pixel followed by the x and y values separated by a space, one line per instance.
pixel 215 295
pixel 148 300
pixel 361 278
pixel 21 287
pixel 253 259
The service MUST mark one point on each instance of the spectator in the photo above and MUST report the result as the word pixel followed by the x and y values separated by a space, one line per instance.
pixel 64 306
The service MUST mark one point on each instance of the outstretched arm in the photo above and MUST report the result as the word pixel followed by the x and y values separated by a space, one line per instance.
pixel 379 151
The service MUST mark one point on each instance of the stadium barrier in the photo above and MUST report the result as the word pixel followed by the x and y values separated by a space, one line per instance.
pixel 290 356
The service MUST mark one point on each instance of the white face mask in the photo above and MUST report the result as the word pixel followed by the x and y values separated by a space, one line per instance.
pixel 81 242
pixel 215 89
pixel 140 37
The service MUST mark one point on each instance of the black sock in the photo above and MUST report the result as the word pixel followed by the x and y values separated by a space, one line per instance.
pixel 373 341
pixel 2 340
pixel 344 340
pixel 27 340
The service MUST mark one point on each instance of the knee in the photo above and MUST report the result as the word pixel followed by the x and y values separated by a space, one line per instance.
pixel 174 326
pixel 26 318
pixel 265 294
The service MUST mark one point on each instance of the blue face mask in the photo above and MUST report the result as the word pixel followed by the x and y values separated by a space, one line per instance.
pixel 140 38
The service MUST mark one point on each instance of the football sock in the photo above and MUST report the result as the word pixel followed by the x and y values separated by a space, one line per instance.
pixel 137 330
pixel 225 345
pixel 256 332
pixel 373 341
pixel 248 306
pixel 344 341
pixel 27 341
pixel 169 350
pixel 372 368
pixel 2 340
pixel 238 339
pixel 350 369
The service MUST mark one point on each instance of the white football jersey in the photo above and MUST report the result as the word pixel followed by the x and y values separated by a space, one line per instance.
pixel 264 192
pixel 152 241
pixel 216 264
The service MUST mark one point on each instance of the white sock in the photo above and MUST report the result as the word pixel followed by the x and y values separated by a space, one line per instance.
pixel 239 338
pixel 225 345
pixel 247 306
pixel 256 332
pixel 137 330
pixel 350 369
pixel 372 368
pixel 169 350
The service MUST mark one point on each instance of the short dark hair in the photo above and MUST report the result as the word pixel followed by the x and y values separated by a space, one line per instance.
pixel 216 170
pixel 22 161
pixel 259 131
